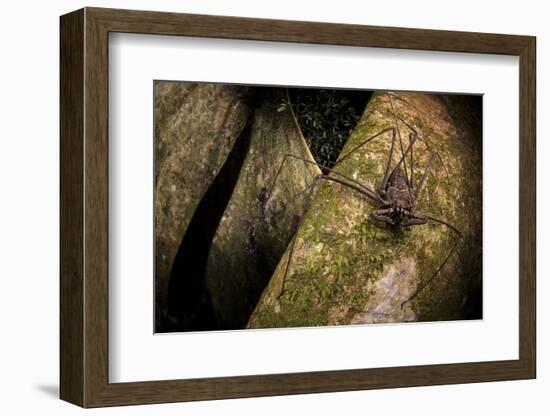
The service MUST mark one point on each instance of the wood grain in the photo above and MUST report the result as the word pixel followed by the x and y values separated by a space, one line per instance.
pixel 527 208
pixel 71 208
pixel 84 207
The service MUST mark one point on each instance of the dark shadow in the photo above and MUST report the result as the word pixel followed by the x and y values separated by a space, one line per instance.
pixel 467 111
pixel 188 300
pixel 51 390
pixel 473 305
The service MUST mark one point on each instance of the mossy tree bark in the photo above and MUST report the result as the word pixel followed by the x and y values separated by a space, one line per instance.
pixel 263 212
pixel 195 129
pixel 347 268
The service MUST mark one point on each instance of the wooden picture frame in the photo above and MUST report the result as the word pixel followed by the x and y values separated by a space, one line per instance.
pixel 84 207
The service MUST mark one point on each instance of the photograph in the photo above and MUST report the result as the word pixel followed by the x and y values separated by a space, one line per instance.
pixel 290 207
pixel 274 204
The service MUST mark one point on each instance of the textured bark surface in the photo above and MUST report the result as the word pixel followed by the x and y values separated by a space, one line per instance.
pixel 261 216
pixel 350 269
pixel 195 129
pixel 222 220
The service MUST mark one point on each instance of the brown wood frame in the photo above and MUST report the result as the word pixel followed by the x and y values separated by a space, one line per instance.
pixel 84 208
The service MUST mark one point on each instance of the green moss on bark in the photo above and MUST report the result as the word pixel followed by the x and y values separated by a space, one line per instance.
pixel 196 126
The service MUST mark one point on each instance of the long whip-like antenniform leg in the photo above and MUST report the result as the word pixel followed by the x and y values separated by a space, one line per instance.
pixel 424 177
pixel 402 159
pixel 403 154
pixel 360 187
pixel 412 162
pixel 295 236
pixel 363 143
pixel 388 164
pixel 433 276
pixel 309 192
pixel 424 140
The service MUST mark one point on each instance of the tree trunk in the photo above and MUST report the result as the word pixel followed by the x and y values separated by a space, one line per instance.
pixel 262 214
pixel 196 127
pixel 347 268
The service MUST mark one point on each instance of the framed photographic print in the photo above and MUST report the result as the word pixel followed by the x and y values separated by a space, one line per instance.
pixel 256 207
